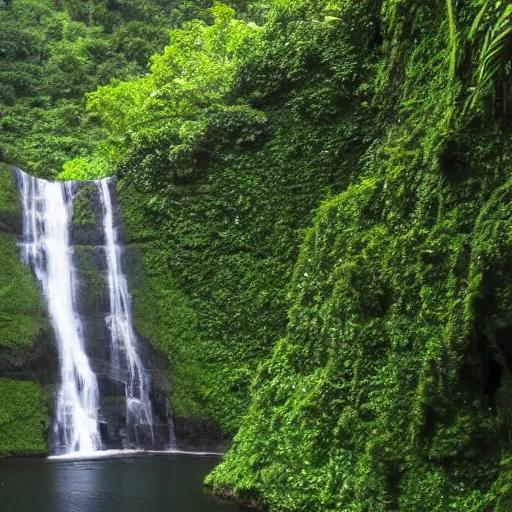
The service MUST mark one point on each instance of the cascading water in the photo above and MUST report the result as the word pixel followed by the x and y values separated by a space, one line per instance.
pixel 104 395
pixel 125 356
pixel 47 214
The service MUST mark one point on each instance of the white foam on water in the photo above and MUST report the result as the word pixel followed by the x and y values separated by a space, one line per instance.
pixel 185 452
pixel 106 454
pixel 100 454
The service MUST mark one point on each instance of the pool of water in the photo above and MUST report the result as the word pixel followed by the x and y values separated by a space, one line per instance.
pixel 136 483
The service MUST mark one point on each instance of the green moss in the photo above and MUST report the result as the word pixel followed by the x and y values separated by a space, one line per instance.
pixel 163 315
pixel 92 280
pixel 9 200
pixel 83 212
pixel 23 418
pixel 21 307
pixel 95 285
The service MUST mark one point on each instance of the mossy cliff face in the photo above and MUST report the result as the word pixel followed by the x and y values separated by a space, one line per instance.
pixel 221 229
pixel 166 317
pixel 391 389
pixel 23 418
pixel 26 345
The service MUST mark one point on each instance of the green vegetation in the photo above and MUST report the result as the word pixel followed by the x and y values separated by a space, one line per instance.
pixel 23 418
pixel 21 308
pixel 219 194
pixel 321 192
pixel 83 213
pixel 51 53
pixel 9 202
pixel 92 281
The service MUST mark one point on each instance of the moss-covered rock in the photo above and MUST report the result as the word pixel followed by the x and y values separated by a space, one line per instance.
pixel 23 418
pixel 87 215
pixel 26 342
pixel 10 206
pixel 21 305
pixel 92 286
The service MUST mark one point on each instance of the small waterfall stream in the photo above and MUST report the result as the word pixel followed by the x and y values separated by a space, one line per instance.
pixel 83 412
pixel 124 341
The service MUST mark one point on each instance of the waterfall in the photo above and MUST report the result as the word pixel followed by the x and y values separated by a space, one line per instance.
pixel 47 216
pixel 104 395
pixel 125 356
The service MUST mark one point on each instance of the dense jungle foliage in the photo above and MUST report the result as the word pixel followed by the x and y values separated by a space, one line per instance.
pixel 53 52
pixel 322 193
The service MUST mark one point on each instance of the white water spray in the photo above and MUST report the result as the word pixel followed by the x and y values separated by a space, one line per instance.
pixel 124 341
pixel 47 215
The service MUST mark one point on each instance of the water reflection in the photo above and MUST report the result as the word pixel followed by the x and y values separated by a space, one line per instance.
pixel 127 484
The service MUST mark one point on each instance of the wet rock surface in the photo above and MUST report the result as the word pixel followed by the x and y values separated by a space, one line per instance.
pixel 93 306
pixel 199 435
pixel 38 362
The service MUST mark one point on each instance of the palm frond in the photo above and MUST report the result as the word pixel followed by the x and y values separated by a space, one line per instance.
pixel 453 37
pixel 478 20
pixel 494 53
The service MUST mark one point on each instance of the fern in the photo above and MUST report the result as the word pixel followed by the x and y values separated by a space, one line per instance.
pixel 494 54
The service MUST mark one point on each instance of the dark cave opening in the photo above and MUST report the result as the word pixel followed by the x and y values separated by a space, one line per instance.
pixel 490 363
pixel 493 373
pixel 503 337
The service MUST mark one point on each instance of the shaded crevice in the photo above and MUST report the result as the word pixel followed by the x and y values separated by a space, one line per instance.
pixel 492 375
pixel 490 365
pixel 503 337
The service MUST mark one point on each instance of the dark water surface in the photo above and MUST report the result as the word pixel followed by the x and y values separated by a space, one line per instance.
pixel 144 483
